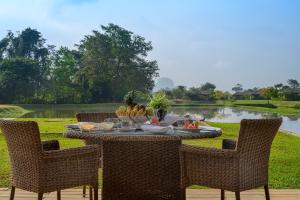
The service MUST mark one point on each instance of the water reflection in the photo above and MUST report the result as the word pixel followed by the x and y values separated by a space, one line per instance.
pixel 65 111
pixel 210 113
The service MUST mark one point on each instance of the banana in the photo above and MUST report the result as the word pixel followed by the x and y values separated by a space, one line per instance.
pixel 137 110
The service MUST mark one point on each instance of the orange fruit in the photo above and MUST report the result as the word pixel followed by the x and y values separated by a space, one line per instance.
pixel 154 120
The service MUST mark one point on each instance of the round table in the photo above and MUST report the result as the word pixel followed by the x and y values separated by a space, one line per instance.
pixel 98 137
pixel 182 134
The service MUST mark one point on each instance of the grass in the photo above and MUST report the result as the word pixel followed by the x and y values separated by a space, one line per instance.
pixel 283 107
pixel 10 111
pixel 284 161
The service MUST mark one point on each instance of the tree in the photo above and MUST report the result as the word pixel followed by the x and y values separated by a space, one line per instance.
pixel 29 45
pixel 208 87
pixel 293 83
pixel 133 97
pixel 19 78
pixel 267 93
pixel 64 88
pixel 114 62
pixel 193 93
pixel 179 92
pixel 278 86
pixel 237 88
pixel 220 95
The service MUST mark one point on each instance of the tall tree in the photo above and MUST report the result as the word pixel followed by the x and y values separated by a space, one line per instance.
pixel 208 87
pixel 114 62
pixel 267 93
pixel 65 66
pixel 179 92
pixel 293 83
pixel 29 45
pixel 237 88
pixel 220 95
pixel 18 80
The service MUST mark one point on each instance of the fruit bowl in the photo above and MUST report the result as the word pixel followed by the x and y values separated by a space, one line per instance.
pixel 139 120
pixel 125 121
pixel 124 118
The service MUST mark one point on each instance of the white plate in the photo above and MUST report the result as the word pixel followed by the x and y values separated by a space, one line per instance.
pixel 103 126
pixel 209 128
pixel 155 129
pixel 72 126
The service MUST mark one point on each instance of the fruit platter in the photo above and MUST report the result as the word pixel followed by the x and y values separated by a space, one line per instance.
pixel 139 117
pixel 134 115
pixel 191 126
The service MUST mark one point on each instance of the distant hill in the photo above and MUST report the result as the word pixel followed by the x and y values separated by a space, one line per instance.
pixel 163 83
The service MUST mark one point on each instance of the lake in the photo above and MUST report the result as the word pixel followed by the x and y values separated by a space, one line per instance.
pixel 211 113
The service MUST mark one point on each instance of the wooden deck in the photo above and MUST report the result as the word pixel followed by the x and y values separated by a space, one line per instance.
pixel 210 194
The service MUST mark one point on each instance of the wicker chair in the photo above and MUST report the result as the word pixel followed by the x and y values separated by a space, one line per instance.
pixel 39 167
pixel 96 117
pixel 239 167
pixel 141 167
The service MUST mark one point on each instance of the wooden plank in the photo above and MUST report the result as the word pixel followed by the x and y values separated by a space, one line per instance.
pixel 192 194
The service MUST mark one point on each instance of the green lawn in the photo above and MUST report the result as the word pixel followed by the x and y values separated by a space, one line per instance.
pixel 284 162
pixel 283 107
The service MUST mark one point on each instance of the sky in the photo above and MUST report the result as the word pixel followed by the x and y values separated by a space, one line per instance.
pixel 252 42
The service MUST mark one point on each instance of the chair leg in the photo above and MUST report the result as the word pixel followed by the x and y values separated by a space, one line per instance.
pixel 12 193
pixel 84 191
pixel 222 194
pixel 237 196
pixel 96 192
pixel 91 193
pixel 183 194
pixel 267 192
pixel 58 195
pixel 40 196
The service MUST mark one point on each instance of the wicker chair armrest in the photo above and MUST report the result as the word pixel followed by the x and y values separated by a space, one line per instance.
pixel 72 152
pixel 69 168
pixel 213 152
pixel 210 167
pixel 50 145
pixel 228 144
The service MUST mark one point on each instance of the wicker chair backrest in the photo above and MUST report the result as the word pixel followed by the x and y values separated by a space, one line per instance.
pixel 24 146
pixel 254 145
pixel 256 136
pixel 95 116
pixel 141 167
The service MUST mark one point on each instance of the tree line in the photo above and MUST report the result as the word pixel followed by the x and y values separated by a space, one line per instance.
pixel 102 67
pixel 208 92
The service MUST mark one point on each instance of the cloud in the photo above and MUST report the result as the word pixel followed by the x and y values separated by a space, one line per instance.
pixel 55 18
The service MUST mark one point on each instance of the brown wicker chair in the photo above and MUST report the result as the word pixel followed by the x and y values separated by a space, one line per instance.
pixel 96 117
pixel 141 167
pixel 39 167
pixel 237 168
